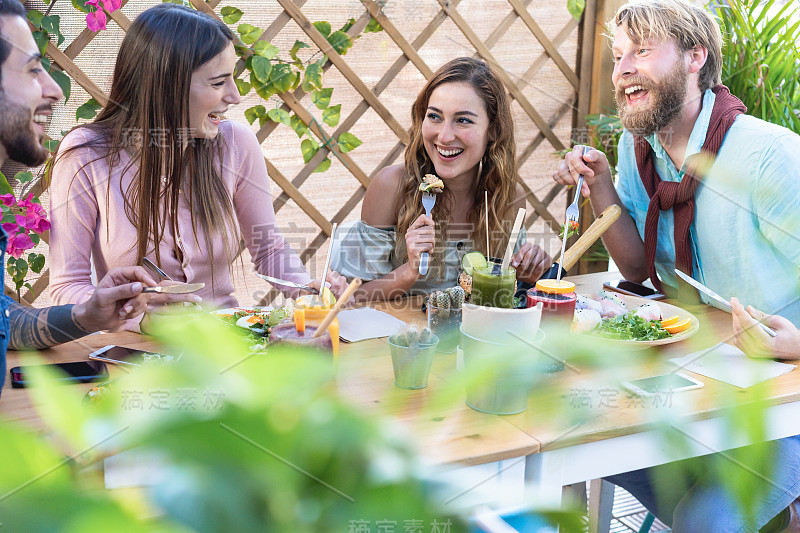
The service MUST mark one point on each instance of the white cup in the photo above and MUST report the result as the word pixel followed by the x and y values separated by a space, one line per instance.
pixel 493 324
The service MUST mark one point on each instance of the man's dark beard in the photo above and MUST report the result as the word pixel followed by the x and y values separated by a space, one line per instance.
pixel 17 136
pixel 667 98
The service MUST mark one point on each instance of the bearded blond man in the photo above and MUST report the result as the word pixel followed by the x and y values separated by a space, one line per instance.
pixel 712 192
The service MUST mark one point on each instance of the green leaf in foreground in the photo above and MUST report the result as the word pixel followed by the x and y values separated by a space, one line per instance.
pixel 279 115
pixel 24 177
pixel 243 87
pixel 298 45
pixel 35 16
pixel 5 188
pixel 63 81
pixel 347 141
pixel 575 8
pixel 88 110
pixel 298 125
pixel 322 98
pixel 373 27
pixel 325 165
pixel 314 75
pixel 331 115
pixel 261 68
pixel 254 113
pixel 230 14
pixel 281 77
pixel 309 148
pixel 265 49
pixel 323 27
pixel 341 42
pixel 249 33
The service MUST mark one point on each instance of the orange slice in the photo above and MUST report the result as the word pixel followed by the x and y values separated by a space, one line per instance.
pixel 551 286
pixel 680 326
pixel 671 321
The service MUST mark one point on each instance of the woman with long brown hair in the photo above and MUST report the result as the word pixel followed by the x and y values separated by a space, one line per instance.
pixel 160 174
pixel 463 132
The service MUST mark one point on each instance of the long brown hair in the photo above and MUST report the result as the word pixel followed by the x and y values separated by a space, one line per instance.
pixel 149 100
pixel 498 175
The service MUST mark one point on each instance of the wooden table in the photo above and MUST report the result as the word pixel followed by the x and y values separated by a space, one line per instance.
pixel 443 432
pixel 622 438
pixel 616 440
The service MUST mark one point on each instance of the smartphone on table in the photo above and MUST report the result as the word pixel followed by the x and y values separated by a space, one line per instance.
pixel 77 372
pixel 633 289
pixel 121 355
pixel 666 383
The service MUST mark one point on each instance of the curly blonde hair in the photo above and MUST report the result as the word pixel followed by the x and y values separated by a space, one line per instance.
pixel 499 175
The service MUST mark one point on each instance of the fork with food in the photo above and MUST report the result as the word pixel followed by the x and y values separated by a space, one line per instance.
pixel 431 186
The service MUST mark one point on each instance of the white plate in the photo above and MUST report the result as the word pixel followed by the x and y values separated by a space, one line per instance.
pixel 668 310
pixel 242 321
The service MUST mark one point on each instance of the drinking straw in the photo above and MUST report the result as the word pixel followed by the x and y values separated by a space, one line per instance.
pixel 513 238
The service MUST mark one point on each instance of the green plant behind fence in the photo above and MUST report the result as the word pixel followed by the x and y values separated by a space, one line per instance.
pixel 761 56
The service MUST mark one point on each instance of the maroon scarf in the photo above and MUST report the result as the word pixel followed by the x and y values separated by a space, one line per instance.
pixel 679 196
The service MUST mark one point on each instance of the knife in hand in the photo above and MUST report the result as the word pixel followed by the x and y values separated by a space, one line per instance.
pixel 285 283
pixel 725 305
pixel 181 288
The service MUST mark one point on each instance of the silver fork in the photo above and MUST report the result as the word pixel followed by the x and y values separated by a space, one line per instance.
pixel 573 215
pixel 428 201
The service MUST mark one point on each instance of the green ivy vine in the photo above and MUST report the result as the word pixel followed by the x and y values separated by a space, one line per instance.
pixel 266 73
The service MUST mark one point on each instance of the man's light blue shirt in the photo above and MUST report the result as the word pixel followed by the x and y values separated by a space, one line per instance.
pixel 745 235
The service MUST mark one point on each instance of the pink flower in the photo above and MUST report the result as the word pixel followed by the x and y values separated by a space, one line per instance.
pixel 112 5
pixel 34 217
pixel 8 199
pixel 27 203
pixel 18 243
pixel 33 221
pixel 10 228
pixel 96 20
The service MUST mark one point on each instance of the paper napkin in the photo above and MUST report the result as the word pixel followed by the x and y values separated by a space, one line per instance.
pixel 367 323
pixel 729 364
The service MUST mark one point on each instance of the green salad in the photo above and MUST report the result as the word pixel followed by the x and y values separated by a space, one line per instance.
pixel 631 327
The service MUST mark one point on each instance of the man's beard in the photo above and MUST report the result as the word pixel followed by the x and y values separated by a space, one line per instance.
pixel 667 98
pixel 17 136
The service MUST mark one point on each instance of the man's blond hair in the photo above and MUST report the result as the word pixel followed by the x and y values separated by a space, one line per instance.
pixel 690 26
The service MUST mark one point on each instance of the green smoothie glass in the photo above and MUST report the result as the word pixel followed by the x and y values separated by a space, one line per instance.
pixel 493 287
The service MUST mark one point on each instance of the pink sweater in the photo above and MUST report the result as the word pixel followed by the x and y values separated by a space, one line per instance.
pixel 88 224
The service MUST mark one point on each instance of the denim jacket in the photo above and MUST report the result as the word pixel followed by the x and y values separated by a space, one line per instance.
pixel 4 301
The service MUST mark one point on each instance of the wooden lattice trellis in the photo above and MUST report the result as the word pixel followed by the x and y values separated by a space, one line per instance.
pixel 577 102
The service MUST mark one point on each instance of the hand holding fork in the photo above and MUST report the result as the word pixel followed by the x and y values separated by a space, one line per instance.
pixel 428 201
pixel 572 216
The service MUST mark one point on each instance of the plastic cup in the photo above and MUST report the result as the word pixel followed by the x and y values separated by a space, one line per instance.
pixel 445 324
pixel 493 287
pixel 412 365
pixel 499 376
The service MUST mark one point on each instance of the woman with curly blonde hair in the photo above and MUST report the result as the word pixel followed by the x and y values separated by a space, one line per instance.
pixel 463 132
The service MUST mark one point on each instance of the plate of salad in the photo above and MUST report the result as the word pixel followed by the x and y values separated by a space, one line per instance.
pixel 257 320
pixel 632 320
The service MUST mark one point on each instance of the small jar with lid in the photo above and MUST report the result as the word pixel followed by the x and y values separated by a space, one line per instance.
pixel 557 298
